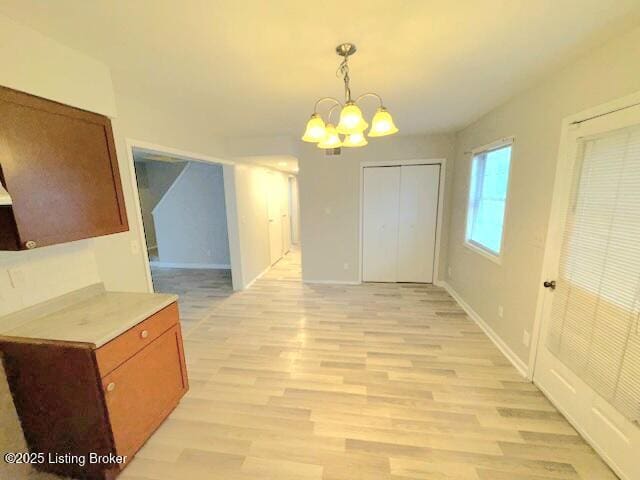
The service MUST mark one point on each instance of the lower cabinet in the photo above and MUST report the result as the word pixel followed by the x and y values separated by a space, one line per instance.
pixel 76 401
pixel 141 392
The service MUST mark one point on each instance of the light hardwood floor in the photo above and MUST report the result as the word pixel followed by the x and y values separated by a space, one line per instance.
pixel 199 291
pixel 375 381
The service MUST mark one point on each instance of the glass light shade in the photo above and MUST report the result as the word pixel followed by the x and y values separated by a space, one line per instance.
pixel 355 140
pixel 315 130
pixel 382 124
pixel 351 120
pixel 331 138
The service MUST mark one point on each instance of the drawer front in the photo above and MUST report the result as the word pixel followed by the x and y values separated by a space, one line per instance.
pixel 118 350
pixel 142 392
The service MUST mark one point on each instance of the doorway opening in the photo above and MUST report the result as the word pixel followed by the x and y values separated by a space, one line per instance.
pixel 182 203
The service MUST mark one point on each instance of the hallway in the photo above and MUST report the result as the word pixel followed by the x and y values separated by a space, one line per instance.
pixel 374 381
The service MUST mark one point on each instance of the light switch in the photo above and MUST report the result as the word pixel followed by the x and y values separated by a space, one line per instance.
pixel 135 247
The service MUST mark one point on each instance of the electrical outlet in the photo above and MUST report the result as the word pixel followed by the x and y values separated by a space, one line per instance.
pixel 135 247
pixel 526 338
pixel 500 311
pixel 17 277
pixel 345 266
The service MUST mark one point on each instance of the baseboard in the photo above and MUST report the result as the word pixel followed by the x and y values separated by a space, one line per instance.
pixel 332 282
pixel 257 277
pixel 203 266
pixel 521 366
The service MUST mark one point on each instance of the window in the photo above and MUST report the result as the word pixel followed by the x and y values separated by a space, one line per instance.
pixel 488 198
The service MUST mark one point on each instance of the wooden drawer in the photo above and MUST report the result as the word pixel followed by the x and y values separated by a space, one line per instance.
pixel 141 392
pixel 118 350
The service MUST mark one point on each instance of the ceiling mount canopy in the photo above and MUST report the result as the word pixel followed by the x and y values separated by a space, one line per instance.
pixel 351 122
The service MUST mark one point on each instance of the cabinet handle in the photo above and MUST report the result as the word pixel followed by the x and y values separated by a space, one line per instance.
pixel 144 334
pixel 111 387
pixel 30 244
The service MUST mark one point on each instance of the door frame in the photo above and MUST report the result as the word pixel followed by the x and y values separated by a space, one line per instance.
pixel 553 244
pixel 137 217
pixel 562 185
pixel 442 162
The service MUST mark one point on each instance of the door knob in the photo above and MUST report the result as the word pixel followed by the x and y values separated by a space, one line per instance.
pixel 550 284
pixel 144 334
pixel 111 387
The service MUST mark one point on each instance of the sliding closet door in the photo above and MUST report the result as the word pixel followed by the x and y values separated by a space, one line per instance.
pixel 417 224
pixel 381 195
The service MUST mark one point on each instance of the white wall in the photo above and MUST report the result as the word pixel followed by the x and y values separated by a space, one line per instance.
pixel 154 178
pixel 190 219
pixel 534 117
pixel 34 64
pixel 330 200
pixel 120 259
pixel 251 230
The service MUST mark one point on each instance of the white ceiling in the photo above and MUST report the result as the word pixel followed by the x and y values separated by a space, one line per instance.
pixel 255 67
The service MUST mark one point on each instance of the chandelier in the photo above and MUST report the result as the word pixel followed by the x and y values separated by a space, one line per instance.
pixel 351 124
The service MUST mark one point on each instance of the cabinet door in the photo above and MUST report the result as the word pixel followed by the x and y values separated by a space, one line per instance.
pixel 60 168
pixel 418 221
pixel 381 195
pixel 142 391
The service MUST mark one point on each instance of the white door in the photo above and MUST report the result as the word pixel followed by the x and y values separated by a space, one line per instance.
pixel 293 209
pixel 381 200
pixel 588 359
pixel 275 221
pixel 285 219
pixel 418 220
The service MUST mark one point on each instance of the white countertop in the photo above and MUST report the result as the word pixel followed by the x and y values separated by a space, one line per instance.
pixel 90 316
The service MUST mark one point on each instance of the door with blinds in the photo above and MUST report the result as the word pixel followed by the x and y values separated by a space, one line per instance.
pixel 399 221
pixel 588 360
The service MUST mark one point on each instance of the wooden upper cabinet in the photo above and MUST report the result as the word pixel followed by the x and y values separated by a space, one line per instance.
pixel 59 165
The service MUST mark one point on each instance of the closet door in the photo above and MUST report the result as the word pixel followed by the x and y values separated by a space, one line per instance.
pixel 417 223
pixel 381 196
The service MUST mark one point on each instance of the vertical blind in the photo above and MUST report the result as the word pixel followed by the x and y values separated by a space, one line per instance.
pixel 595 316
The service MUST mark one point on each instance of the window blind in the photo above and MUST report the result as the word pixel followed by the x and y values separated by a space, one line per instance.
pixel 595 317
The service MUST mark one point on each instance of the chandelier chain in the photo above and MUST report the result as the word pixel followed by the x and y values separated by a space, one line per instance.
pixel 343 70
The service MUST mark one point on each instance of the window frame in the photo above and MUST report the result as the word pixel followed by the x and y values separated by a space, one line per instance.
pixel 468 242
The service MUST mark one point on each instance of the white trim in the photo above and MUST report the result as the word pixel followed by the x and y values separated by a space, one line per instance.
pixel 442 162
pixel 333 282
pixel 518 363
pixel 474 246
pixel 501 142
pixel 182 154
pixel 142 239
pixel 497 259
pixel 182 173
pixel 198 266
pixel 256 278
pixel 185 155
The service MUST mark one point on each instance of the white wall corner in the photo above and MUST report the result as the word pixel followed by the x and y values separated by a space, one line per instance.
pixel 233 226
pixel 516 361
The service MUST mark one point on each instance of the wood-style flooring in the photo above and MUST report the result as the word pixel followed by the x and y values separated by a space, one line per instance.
pixel 374 381
pixel 199 291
